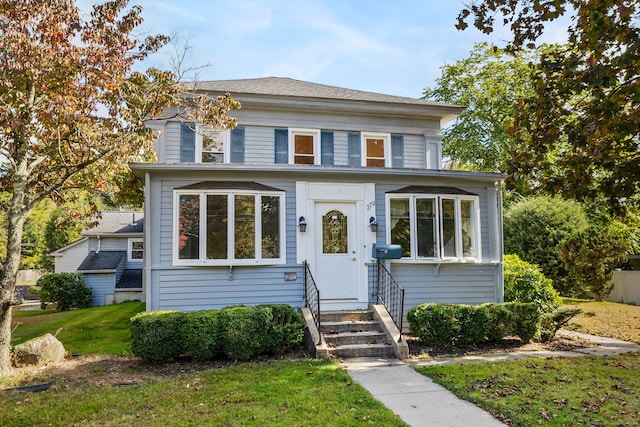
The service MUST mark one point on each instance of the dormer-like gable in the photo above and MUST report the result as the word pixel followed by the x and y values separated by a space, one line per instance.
pixel 287 121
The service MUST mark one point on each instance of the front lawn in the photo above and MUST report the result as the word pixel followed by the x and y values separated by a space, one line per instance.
pixel 273 393
pixel 595 391
pixel 100 330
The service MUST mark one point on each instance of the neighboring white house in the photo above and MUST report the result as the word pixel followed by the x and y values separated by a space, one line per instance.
pixel 315 174
pixel 109 256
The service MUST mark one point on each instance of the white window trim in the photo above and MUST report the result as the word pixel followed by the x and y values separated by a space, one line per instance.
pixel 230 261
pixel 387 147
pixel 459 258
pixel 226 135
pixel 130 249
pixel 317 158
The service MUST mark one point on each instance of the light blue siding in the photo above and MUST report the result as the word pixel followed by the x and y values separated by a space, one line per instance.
pixel 100 284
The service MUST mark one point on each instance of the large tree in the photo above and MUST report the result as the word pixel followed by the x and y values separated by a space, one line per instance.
pixel 489 83
pixel 72 111
pixel 579 133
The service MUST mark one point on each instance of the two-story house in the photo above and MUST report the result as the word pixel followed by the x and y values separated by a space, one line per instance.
pixel 315 174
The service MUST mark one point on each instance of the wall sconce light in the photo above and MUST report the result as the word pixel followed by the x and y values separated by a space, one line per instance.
pixel 373 224
pixel 302 224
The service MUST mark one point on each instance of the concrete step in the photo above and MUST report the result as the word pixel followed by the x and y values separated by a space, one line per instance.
pixel 349 338
pixel 344 316
pixel 362 350
pixel 342 327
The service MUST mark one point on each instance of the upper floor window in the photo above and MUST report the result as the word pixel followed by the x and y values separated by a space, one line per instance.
pixel 371 149
pixel 303 146
pixel 135 250
pixel 434 226
pixel 206 145
pixel 228 227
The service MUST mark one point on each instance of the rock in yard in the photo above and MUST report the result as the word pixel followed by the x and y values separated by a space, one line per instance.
pixel 38 351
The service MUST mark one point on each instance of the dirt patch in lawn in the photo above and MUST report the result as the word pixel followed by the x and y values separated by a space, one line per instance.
pixel 559 343
pixel 81 372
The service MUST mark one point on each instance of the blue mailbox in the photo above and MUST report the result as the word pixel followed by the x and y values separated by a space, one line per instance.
pixel 387 251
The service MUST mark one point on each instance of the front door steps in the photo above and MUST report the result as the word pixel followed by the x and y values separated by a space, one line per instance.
pixel 358 333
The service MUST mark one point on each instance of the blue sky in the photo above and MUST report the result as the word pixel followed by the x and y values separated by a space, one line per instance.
pixel 393 47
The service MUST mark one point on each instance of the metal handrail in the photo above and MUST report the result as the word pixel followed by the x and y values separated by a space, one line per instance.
pixel 391 295
pixel 311 295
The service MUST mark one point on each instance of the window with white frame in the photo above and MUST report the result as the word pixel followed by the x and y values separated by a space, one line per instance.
pixel 207 145
pixel 434 227
pixel 212 144
pixel 135 250
pixel 217 227
pixel 376 149
pixel 304 146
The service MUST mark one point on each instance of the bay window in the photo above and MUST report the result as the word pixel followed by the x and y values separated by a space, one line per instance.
pixel 434 227
pixel 234 227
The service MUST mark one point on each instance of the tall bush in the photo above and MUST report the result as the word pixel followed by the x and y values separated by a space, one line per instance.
pixel 533 228
pixel 591 255
pixel 67 290
pixel 524 282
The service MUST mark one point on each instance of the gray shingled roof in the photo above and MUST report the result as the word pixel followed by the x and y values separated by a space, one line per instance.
pixel 104 260
pixel 286 87
pixel 119 222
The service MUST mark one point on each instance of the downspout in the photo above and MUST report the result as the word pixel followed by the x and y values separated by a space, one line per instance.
pixel 500 246
pixel 98 250
pixel 146 246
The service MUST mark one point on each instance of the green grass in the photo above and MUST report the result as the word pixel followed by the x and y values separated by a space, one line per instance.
pixel 594 391
pixel 100 330
pixel 277 393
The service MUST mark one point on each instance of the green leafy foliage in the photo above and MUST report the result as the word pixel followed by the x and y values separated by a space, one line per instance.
pixel 238 332
pixel 244 330
pixel 200 334
pixel 524 282
pixel 67 290
pixel 451 324
pixel 488 83
pixel 591 255
pixel 551 322
pixel 157 335
pixel 533 228
pixel 577 134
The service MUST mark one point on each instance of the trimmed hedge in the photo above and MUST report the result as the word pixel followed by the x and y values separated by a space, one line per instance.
pixel 452 324
pixel 239 333
pixel 157 335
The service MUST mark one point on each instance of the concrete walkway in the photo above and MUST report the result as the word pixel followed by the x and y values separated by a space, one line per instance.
pixel 420 402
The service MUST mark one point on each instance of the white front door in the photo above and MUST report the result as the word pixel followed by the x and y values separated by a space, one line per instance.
pixel 336 255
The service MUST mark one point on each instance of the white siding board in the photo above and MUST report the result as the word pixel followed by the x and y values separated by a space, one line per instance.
pixel 72 258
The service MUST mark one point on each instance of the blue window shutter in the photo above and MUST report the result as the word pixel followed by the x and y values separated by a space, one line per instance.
pixel 236 146
pixel 355 153
pixel 326 148
pixel 397 151
pixel 187 142
pixel 282 146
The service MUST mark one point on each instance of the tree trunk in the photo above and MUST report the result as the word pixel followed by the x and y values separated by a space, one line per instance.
pixel 16 216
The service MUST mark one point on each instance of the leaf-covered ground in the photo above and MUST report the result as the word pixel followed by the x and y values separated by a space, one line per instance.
pixel 608 319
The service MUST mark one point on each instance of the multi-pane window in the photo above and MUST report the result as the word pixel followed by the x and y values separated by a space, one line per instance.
pixel 376 149
pixel 213 142
pixel 434 226
pixel 206 145
pixel 304 146
pixel 135 250
pixel 229 227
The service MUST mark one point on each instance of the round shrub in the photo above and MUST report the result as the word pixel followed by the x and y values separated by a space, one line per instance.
pixel 533 228
pixel 157 335
pixel 243 331
pixel 287 328
pixel 524 282
pixel 434 324
pixel 200 334
pixel 67 290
